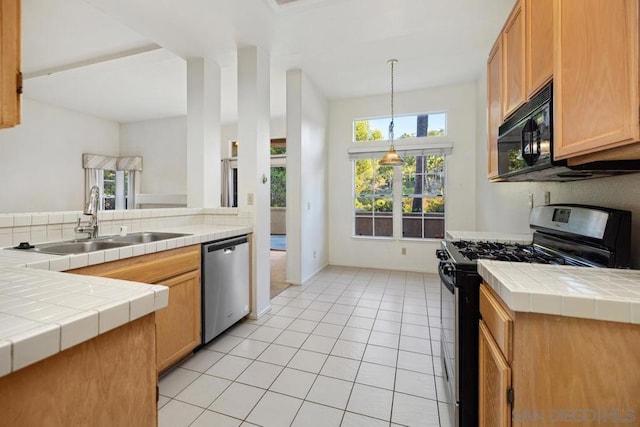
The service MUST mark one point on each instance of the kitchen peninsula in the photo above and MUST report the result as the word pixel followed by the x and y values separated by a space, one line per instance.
pixel 558 344
pixel 79 350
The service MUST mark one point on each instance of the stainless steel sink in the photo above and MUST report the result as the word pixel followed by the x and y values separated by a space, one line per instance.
pixel 99 244
pixel 77 247
pixel 147 237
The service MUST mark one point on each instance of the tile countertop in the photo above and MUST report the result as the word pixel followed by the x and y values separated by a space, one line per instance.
pixel 590 293
pixel 44 311
pixel 491 236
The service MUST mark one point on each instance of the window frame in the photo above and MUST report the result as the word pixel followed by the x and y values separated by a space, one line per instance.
pixel 406 147
pixel 373 200
pixel 425 216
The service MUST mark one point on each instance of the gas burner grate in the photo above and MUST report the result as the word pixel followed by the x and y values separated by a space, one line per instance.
pixel 513 252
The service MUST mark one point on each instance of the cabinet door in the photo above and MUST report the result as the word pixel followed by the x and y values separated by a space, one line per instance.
pixel 494 380
pixel 494 107
pixel 178 325
pixel 539 42
pixel 514 69
pixel 10 77
pixel 595 76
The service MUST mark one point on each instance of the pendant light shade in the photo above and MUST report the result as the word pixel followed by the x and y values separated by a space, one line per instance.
pixel 391 157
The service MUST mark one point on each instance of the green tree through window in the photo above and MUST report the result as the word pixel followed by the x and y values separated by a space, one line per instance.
pixel 278 187
pixel 422 181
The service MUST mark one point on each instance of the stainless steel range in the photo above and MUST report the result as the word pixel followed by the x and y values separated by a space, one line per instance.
pixel 577 235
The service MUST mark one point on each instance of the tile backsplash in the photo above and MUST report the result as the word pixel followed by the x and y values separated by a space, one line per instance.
pixel 39 227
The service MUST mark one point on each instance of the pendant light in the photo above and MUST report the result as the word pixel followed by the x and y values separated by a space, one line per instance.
pixel 391 157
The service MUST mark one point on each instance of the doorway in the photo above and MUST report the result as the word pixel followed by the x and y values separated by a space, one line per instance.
pixel 278 221
pixel 278 211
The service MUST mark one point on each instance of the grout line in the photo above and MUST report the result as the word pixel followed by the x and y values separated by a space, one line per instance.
pixel 338 289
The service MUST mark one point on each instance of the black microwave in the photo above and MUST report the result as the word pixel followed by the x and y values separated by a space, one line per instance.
pixel 525 140
pixel 525 147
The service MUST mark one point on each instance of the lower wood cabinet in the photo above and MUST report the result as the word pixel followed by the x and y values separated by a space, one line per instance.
pixel 494 382
pixel 107 381
pixel 178 326
pixel 540 369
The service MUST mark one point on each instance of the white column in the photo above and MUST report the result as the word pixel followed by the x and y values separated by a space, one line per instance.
pixel 203 133
pixel 253 164
pixel 294 176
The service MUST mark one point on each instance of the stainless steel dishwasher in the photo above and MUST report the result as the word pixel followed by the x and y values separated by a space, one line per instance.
pixel 225 284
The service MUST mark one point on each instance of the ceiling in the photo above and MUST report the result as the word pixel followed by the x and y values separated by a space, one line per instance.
pixel 124 60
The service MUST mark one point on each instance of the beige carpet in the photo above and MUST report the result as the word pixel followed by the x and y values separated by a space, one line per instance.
pixel 278 272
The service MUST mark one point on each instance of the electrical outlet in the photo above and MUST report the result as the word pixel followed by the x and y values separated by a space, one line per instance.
pixel 547 197
pixel 250 199
pixel 404 251
pixel 314 254
pixel 530 200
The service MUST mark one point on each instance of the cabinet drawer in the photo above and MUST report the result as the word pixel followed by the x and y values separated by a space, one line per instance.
pixel 497 319
pixel 151 268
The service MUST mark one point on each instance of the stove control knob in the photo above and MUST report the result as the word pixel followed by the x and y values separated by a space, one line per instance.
pixel 447 269
pixel 442 255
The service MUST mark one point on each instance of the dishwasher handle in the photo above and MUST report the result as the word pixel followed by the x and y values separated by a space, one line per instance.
pixel 227 245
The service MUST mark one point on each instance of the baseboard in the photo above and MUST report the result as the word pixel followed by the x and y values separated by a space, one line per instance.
pixel 315 273
pixel 253 316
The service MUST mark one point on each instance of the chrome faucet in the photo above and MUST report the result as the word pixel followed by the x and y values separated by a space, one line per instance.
pixel 91 208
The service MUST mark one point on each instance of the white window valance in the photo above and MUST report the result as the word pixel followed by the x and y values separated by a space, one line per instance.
pixel 97 161
pixel 405 147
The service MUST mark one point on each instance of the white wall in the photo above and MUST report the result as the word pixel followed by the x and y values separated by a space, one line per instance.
pixel 504 206
pixel 41 159
pixel 307 205
pixel 229 132
pixel 162 144
pixel 459 101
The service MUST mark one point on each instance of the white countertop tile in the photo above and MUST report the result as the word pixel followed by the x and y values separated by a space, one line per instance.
pixel 590 293
pixel 161 297
pixel 34 345
pixel 5 357
pixel 78 328
pixel 126 252
pixel 44 311
pixel 59 264
pixel 112 314
pixel 78 261
pixel 141 304
pixel 139 250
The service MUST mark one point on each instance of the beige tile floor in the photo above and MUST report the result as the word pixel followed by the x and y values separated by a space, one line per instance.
pixel 355 347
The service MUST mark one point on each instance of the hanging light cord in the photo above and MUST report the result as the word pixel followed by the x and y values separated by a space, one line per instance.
pixel 392 62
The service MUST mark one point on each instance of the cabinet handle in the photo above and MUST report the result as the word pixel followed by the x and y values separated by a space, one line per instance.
pixel 19 83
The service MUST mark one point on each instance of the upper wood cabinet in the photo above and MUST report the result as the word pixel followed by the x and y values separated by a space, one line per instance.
pixel 513 44
pixel 596 80
pixel 539 44
pixel 494 110
pixel 10 76
pixel 519 65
